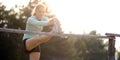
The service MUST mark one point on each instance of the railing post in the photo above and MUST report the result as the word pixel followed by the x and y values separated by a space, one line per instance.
pixel 111 48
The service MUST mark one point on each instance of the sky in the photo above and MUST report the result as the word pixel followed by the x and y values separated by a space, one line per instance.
pixel 86 15
pixel 83 16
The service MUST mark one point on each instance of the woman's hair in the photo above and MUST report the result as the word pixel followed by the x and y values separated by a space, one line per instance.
pixel 36 7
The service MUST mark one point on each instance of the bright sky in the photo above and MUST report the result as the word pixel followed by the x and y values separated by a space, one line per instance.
pixel 86 15
pixel 83 16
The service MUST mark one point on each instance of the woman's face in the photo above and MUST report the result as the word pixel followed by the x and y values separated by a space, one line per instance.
pixel 40 11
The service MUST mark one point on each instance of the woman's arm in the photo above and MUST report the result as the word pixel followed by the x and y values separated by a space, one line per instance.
pixel 44 22
pixel 37 23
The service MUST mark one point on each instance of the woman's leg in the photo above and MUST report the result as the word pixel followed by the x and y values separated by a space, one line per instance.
pixel 34 56
pixel 35 41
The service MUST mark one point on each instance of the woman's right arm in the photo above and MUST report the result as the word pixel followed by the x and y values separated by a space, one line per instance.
pixel 40 23
pixel 37 23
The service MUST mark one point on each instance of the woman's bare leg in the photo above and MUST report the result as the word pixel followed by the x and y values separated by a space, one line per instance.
pixel 35 41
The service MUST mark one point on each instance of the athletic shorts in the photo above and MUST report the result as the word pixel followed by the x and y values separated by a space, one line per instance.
pixel 36 49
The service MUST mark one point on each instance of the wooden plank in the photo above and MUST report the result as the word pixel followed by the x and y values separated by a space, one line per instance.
pixel 113 34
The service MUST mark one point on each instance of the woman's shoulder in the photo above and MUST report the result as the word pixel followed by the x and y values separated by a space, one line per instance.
pixel 32 17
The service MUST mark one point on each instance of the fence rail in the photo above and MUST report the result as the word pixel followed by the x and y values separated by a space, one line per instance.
pixel 112 34
pixel 49 33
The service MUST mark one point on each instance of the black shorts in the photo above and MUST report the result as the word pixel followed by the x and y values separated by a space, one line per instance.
pixel 36 49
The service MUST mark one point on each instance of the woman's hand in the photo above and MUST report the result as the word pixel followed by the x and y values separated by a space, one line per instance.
pixel 51 22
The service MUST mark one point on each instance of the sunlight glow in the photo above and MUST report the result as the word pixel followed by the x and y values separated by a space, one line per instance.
pixel 87 15
pixel 83 16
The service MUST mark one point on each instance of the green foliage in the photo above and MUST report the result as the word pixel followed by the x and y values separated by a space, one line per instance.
pixel 11 43
pixel 54 50
pixel 90 48
pixel 73 48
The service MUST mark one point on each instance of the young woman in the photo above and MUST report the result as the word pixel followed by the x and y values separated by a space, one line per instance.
pixel 36 23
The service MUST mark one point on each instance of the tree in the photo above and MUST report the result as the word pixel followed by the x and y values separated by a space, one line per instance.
pixel 91 48
pixel 73 48
pixel 10 42
pixel 56 48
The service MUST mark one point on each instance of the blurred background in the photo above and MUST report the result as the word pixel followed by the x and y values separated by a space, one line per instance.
pixel 76 17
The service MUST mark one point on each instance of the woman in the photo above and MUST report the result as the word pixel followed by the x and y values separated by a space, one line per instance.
pixel 36 23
